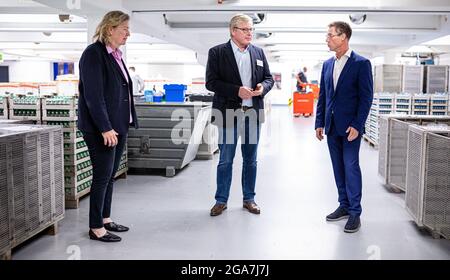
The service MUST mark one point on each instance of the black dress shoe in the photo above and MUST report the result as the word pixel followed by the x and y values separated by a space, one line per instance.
pixel 353 224
pixel 115 227
pixel 108 237
pixel 339 214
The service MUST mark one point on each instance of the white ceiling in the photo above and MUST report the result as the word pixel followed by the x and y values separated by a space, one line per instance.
pixel 182 31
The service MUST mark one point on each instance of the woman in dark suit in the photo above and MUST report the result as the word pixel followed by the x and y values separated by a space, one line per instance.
pixel 105 112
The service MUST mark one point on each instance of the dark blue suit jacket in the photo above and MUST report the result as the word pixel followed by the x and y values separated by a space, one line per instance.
pixel 222 77
pixel 104 101
pixel 350 103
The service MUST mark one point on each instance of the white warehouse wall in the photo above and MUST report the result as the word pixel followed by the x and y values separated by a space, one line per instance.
pixel 444 59
pixel 176 73
pixel 29 71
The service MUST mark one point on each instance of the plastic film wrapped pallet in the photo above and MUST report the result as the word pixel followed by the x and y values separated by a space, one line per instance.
pixel 31 163
pixel 428 178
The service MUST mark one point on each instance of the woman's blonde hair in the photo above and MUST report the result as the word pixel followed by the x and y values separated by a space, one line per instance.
pixel 111 19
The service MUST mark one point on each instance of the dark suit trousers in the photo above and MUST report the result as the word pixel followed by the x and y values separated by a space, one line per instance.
pixel 347 173
pixel 105 162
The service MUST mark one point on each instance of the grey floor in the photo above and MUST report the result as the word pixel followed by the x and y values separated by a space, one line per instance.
pixel 169 217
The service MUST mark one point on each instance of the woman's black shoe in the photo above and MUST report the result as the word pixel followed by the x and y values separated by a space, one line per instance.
pixel 108 237
pixel 115 227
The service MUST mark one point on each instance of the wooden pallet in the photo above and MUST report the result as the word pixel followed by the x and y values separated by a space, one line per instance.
pixel 370 141
pixel 206 155
pixel 435 234
pixel 393 189
pixel 74 202
pixel 51 229
pixel 121 174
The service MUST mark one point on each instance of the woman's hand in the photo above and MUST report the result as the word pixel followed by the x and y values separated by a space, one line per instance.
pixel 110 138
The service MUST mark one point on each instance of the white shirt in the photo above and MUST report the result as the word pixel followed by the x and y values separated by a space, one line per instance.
pixel 339 65
pixel 243 62
pixel 138 83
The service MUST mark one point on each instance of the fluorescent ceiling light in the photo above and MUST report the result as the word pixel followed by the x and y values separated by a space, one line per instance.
pixel 444 40
pixel 420 49
pixel 298 47
pixel 36 18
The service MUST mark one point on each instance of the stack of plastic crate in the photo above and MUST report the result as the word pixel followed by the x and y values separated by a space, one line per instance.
pixel 383 104
pixel 31 182
pixel 439 104
pixel 403 103
pixel 412 78
pixel 427 181
pixel 23 107
pixel 436 78
pixel 62 111
pixel 388 78
pixel 3 107
pixel 123 165
pixel 420 104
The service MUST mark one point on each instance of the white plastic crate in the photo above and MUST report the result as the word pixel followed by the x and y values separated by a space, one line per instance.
pixel 436 78
pixel 427 196
pixel 388 78
pixel 413 78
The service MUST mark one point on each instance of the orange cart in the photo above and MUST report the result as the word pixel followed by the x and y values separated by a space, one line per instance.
pixel 303 104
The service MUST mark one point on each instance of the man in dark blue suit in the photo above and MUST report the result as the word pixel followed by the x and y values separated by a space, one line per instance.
pixel 345 98
pixel 238 73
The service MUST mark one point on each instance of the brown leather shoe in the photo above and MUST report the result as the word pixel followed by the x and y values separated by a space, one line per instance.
pixel 252 207
pixel 217 209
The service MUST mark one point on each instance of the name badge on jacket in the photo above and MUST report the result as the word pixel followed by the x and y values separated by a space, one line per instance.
pixel 259 63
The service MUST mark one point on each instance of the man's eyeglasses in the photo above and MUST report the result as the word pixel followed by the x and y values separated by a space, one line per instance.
pixel 329 35
pixel 246 30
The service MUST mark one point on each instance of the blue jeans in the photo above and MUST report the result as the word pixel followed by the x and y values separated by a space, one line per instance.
pixel 228 138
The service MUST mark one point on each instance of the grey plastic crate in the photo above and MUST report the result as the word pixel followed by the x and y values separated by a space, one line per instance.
pixel 413 78
pixel 152 145
pixel 388 78
pixel 428 178
pixel 436 78
pixel 393 145
pixel 33 156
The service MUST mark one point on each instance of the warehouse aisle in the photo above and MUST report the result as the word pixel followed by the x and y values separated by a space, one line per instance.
pixel 169 217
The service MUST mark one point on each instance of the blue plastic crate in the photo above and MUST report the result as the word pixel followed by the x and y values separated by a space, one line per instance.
pixel 157 98
pixel 175 92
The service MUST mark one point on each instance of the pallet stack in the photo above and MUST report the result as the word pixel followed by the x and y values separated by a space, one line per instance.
pixel 427 189
pixel 3 107
pixel 383 104
pixel 436 78
pixel 31 183
pixel 388 78
pixel 23 107
pixel 123 165
pixel 403 103
pixel 412 78
pixel 439 104
pixel 420 104
pixel 63 111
